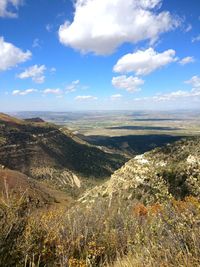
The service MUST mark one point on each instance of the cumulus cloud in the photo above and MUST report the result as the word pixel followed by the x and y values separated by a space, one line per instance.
pixel 56 91
pixel 143 62
pixel 102 26
pixel 73 86
pixel 85 97
pixel 186 60
pixel 11 55
pixel 7 7
pixel 130 84
pixel 194 81
pixel 24 92
pixel 36 73
pixel 193 93
pixel 177 95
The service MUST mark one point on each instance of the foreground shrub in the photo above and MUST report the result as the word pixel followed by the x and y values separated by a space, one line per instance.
pixel 13 219
pixel 156 235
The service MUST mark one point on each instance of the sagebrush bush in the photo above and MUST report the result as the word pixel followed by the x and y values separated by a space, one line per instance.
pixel 155 235
pixel 13 219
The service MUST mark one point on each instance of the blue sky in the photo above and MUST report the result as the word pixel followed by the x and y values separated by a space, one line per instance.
pixel 99 54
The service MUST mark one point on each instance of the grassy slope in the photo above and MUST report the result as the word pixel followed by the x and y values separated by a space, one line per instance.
pixel 16 184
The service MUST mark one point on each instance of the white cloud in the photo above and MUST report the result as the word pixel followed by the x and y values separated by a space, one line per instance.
pixel 116 97
pixel 56 91
pixel 177 95
pixel 102 26
pixel 5 8
pixel 24 92
pixel 193 93
pixel 85 97
pixel 144 62
pixel 36 73
pixel 186 60
pixel 196 39
pixel 194 81
pixel 11 55
pixel 130 84
pixel 73 86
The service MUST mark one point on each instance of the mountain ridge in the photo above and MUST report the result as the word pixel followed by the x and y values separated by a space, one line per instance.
pixel 43 150
pixel 170 171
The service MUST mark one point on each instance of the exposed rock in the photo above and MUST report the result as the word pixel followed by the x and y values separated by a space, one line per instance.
pixel 193 160
pixel 45 151
pixel 154 176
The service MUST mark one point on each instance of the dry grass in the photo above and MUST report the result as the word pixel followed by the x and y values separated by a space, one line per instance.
pixel 157 235
pixel 162 234
pixel 137 261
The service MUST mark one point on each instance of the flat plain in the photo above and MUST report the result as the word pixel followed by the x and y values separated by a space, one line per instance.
pixel 123 123
pixel 125 132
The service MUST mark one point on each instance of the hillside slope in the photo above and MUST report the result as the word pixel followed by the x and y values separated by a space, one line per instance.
pixel 131 145
pixel 42 150
pixel 14 184
pixel 173 170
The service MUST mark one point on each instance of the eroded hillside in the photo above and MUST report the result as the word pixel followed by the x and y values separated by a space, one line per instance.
pixel 44 151
pixel 173 170
pixel 147 214
pixel 14 184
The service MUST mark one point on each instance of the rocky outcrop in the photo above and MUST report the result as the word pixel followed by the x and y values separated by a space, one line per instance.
pixel 158 175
